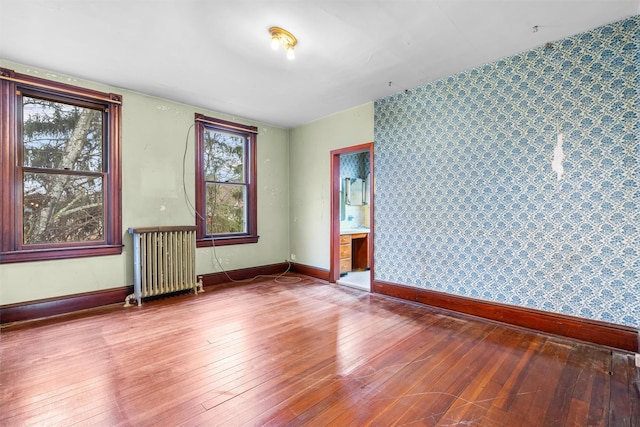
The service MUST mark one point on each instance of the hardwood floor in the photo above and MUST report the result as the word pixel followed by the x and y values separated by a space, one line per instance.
pixel 305 353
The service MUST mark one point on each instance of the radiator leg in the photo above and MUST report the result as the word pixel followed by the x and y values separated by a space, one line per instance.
pixel 127 300
pixel 199 287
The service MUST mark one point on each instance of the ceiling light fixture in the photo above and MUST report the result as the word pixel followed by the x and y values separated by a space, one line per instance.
pixel 283 37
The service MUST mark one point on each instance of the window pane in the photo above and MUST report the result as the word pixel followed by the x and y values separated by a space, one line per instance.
pixel 61 136
pixel 62 209
pixel 223 156
pixel 226 208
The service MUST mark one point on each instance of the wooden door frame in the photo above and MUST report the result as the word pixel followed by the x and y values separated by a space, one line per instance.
pixel 334 263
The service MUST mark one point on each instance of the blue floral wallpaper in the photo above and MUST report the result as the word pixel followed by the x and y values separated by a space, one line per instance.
pixel 466 198
pixel 354 165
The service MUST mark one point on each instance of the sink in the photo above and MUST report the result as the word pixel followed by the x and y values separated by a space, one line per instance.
pixel 354 230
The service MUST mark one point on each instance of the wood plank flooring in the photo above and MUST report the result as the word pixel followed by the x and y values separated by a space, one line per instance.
pixel 305 353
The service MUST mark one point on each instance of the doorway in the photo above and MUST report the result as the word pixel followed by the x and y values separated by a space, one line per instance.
pixel 352 226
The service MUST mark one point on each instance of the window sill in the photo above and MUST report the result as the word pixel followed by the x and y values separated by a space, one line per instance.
pixel 59 253
pixel 225 241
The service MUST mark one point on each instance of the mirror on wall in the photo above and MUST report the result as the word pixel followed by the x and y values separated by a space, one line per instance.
pixel 355 191
pixel 367 190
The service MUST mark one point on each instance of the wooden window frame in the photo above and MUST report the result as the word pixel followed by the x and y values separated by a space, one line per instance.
pixel 12 248
pixel 203 123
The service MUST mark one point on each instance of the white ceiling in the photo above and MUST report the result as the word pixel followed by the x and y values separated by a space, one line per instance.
pixel 217 55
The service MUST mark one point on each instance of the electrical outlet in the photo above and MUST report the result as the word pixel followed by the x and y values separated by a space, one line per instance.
pixel 293 257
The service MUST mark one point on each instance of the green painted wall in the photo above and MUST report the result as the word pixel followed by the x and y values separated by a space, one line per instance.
pixel 310 192
pixel 154 134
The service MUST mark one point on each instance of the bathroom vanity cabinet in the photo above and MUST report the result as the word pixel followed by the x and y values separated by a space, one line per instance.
pixel 354 252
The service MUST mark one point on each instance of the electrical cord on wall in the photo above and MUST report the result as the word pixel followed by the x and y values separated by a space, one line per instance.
pixel 279 278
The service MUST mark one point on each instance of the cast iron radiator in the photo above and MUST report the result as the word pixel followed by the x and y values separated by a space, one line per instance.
pixel 164 261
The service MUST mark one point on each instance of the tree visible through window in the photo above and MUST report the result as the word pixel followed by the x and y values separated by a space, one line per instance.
pixel 226 191
pixel 62 173
pixel 60 191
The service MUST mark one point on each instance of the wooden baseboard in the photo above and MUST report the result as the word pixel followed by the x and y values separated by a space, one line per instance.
pixel 593 331
pixel 30 310
pixel 602 333
pixel 59 305
pixel 307 270
pixel 212 279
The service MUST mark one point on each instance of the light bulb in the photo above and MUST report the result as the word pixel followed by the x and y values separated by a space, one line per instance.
pixel 275 43
pixel 290 53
